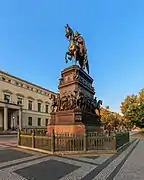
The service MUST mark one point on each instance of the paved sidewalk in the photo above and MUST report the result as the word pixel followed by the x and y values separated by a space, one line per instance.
pixel 18 164
pixel 133 169
pixel 8 140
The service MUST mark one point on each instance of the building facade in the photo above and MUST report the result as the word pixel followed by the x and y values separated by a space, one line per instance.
pixel 23 104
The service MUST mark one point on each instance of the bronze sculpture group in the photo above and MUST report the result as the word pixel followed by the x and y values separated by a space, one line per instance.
pixel 77 48
pixel 75 100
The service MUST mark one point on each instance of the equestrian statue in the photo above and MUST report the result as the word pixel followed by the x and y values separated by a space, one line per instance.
pixel 76 49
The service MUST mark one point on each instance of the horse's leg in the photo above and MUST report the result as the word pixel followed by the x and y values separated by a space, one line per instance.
pixel 87 67
pixel 99 112
pixel 66 55
pixel 80 62
pixel 75 57
pixel 83 61
pixel 70 57
pixel 83 64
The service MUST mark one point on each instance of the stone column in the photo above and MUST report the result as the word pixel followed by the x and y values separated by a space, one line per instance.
pixel 20 119
pixel 5 118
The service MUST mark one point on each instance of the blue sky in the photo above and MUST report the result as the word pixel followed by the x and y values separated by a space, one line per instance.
pixel 32 42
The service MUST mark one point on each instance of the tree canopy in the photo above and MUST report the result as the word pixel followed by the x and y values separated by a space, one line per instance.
pixel 133 108
pixel 112 120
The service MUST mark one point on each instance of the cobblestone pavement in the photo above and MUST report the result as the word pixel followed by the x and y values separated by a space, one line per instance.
pixel 8 140
pixel 18 164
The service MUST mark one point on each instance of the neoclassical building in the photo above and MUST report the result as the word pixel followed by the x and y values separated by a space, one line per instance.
pixel 23 104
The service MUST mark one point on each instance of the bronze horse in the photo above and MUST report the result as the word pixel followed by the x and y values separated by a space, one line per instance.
pixel 99 103
pixel 74 51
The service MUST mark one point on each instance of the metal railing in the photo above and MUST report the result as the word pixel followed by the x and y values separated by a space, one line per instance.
pixel 121 139
pixel 88 142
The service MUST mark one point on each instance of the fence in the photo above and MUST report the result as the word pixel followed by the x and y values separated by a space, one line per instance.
pixel 38 131
pixel 121 139
pixel 71 143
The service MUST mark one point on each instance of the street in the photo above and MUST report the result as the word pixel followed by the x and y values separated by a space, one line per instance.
pixel 16 164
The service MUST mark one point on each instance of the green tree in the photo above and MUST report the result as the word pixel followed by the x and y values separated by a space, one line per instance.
pixel 133 108
pixel 110 119
pixel 105 116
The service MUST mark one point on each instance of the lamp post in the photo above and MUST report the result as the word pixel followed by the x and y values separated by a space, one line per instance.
pixel 13 123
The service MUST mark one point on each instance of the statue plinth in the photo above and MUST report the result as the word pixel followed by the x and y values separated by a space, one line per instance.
pixel 73 110
pixel 74 78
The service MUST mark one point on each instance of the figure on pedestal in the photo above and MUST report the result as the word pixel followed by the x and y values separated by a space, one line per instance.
pixel 99 103
pixel 77 48
pixel 54 103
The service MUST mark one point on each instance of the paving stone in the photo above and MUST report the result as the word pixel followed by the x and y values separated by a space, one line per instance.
pixel 3 147
pixel 9 155
pixel 91 157
pixel 106 172
pixel 78 174
pixel 17 161
pixel 133 168
pixel 82 168
pixel 47 170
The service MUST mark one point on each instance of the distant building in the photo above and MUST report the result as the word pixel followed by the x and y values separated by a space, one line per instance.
pixel 23 104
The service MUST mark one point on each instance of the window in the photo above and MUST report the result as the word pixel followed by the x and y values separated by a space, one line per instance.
pixel 19 101
pixel 39 107
pixel 17 120
pixel 7 98
pixel 39 122
pixel 46 108
pixel 30 105
pixel 46 122
pixel 30 121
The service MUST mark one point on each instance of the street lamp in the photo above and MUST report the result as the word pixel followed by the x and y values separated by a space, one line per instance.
pixel 13 123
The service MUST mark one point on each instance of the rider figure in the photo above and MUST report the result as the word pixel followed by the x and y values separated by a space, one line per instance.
pixel 81 46
pixel 80 43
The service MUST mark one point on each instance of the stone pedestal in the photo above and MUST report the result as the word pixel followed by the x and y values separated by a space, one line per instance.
pixel 74 78
pixel 73 111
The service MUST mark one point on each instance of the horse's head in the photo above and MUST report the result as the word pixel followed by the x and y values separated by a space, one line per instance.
pixel 100 102
pixel 69 31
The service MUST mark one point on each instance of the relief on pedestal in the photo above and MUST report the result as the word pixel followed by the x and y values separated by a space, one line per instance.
pixel 75 100
pixel 77 77
pixel 86 83
pixel 61 81
pixel 71 77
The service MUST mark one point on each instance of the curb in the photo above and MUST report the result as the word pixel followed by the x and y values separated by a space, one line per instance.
pixel 8 145
pixel 35 149
pixel 67 152
pixel 132 141
pixel 8 134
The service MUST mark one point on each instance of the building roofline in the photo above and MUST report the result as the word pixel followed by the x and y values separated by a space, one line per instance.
pixel 5 73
